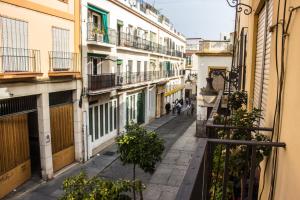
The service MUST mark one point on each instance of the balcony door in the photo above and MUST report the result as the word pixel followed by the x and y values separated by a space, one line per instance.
pixel 61 55
pixel 102 122
pixel 94 25
pixel 95 65
pixel 15 55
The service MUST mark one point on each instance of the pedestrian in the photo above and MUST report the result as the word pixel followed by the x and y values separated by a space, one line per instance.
pixel 176 101
pixel 188 109
pixel 178 106
pixel 173 108
pixel 168 108
pixel 187 100
pixel 181 101
pixel 192 109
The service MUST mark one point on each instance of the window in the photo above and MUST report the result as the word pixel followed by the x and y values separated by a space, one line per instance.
pixel 189 60
pixel 106 118
pixel 61 49
pixel 115 114
pixel 14 41
pixel 91 128
pixel 96 117
pixel 110 116
pixel 95 65
pixel 101 121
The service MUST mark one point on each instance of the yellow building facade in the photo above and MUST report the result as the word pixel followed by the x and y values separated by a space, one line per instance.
pixel 40 89
pixel 272 33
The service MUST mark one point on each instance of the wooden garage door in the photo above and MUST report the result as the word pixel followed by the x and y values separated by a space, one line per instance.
pixel 14 152
pixel 262 69
pixel 62 135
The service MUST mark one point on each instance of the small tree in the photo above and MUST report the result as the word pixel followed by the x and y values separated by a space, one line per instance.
pixel 141 148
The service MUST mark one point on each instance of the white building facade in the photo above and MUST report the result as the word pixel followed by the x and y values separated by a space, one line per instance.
pixel 132 64
pixel 211 56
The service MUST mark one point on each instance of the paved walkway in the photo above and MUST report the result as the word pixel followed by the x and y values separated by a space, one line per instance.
pixel 167 178
pixel 35 189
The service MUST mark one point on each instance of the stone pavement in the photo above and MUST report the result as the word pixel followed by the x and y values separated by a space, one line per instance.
pixel 169 132
pixel 35 189
pixel 167 178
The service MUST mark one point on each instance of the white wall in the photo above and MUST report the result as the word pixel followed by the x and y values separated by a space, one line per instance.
pixel 204 62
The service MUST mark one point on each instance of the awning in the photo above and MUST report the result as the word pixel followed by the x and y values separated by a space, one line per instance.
pixel 96 9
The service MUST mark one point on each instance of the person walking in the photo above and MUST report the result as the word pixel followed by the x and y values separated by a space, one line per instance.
pixel 178 106
pixel 168 108
pixel 173 108
pixel 188 109
pixel 192 108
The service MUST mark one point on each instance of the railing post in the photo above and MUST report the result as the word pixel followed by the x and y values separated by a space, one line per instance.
pixel 252 172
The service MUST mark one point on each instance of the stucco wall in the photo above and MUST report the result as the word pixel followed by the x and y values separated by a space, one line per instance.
pixel 288 176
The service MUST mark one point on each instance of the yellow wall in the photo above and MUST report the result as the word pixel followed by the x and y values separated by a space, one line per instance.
pixel 41 19
pixel 288 175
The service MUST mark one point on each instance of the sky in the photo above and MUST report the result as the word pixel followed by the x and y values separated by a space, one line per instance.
pixel 198 18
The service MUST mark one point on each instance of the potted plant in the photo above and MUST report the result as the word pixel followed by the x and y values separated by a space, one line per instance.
pixel 98 34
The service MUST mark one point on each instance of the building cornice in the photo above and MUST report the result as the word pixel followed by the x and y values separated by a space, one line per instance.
pixel 224 54
pixel 40 8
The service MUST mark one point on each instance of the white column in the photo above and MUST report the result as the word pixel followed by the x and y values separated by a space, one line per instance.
pixel 45 136
pixel 78 125
pixel 122 111
pixel 147 106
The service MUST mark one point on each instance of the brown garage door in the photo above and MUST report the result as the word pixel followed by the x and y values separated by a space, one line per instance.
pixel 62 135
pixel 14 152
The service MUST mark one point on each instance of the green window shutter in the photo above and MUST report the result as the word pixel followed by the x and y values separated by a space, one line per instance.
pixel 105 27
pixel 141 108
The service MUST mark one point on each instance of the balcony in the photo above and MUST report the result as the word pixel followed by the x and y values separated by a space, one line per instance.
pixel 102 81
pixel 126 78
pixel 210 174
pixel 112 80
pixel 215 47
pixel 97 36
pixel 19 63
pixel 132 41
pixel 63 64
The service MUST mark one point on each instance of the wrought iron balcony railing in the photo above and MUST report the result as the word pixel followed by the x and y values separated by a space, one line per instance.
pixel 97 33
pixel 209 176
pixel 13 60
pixel 132 41
pixel 102 81
pixel 110 80
pixel 63 61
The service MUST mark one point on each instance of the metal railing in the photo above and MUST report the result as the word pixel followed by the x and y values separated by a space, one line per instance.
pixel 63 61
pixel 19 60
pixel 215 47
pixel 208 173
pixel 102 81
pixel 137 42
pixel 96 33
